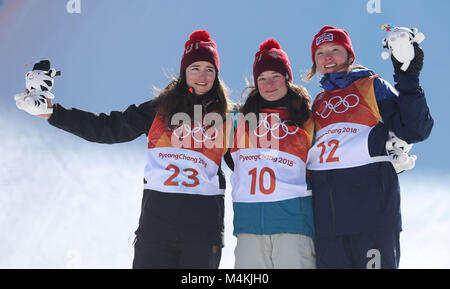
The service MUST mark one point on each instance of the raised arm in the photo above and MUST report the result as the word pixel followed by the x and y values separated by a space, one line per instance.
pixel 116 127
pixel 404 109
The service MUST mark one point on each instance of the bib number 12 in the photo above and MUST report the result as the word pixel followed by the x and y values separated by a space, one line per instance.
pixel 334 144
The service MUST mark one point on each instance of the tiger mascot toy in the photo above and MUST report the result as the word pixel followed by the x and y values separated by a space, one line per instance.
pixel 37 97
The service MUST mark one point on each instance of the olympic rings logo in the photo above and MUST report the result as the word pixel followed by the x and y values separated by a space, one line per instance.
pixel 198 131
pixel 276 127
pixel 337 104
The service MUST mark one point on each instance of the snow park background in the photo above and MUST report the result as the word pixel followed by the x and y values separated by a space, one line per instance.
pixel 68 203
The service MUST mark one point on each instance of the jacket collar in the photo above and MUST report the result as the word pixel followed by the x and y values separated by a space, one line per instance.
pixel 282 102
pixel 340 80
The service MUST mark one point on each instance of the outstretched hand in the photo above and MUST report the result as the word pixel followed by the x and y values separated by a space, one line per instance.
pixel 36 102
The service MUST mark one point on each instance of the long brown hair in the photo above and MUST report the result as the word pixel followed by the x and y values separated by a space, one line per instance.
pixel 176 98
pixel 298 98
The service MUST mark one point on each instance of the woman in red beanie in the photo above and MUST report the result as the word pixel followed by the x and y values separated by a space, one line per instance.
pixel 273 218
pixel 181 223
pixel 356 193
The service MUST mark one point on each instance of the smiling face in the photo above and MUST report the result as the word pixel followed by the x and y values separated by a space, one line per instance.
pixel 271 85
pixel 200 75
pixel 332 57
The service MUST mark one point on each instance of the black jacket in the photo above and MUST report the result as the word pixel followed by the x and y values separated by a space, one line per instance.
pixel 164 216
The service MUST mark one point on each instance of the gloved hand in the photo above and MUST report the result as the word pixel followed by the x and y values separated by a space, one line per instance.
pixel 398 151
pixel 416 64
pixel 36 102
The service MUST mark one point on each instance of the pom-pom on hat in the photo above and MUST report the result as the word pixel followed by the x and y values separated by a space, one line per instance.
pixel 331 34
pixel 271 57
pixel 199 47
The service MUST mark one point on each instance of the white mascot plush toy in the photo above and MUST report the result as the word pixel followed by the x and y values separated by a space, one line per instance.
pixel 398 151
pixel 400 44
pixel 38 84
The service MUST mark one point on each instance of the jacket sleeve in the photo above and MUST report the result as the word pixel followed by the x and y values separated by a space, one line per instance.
pixel 117 127
pixel 404 109
pixel 227 157
pixel 229 160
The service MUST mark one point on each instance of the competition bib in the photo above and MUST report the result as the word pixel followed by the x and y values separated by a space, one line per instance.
pixel 267 174
pixel 175 170
pixel 263 175
pixel 183 160
pixel 343 120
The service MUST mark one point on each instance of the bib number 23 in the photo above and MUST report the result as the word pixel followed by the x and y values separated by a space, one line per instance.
pixel 191 174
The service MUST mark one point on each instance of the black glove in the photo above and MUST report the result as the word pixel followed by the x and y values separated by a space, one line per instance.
pixel 416 64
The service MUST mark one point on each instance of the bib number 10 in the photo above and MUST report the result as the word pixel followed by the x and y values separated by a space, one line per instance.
pixel 334 144
pixel 262 173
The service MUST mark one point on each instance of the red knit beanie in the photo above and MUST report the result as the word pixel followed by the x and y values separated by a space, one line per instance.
pixel 271 57
pixel 331 34
pixel 199 47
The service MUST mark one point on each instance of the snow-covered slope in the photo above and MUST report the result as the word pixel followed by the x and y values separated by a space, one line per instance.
pixel 65 202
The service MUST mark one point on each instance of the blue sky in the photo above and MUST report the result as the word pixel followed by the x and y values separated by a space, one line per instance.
pixel 114 51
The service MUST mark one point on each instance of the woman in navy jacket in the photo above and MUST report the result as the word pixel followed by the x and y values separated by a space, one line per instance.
pixel 356 193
